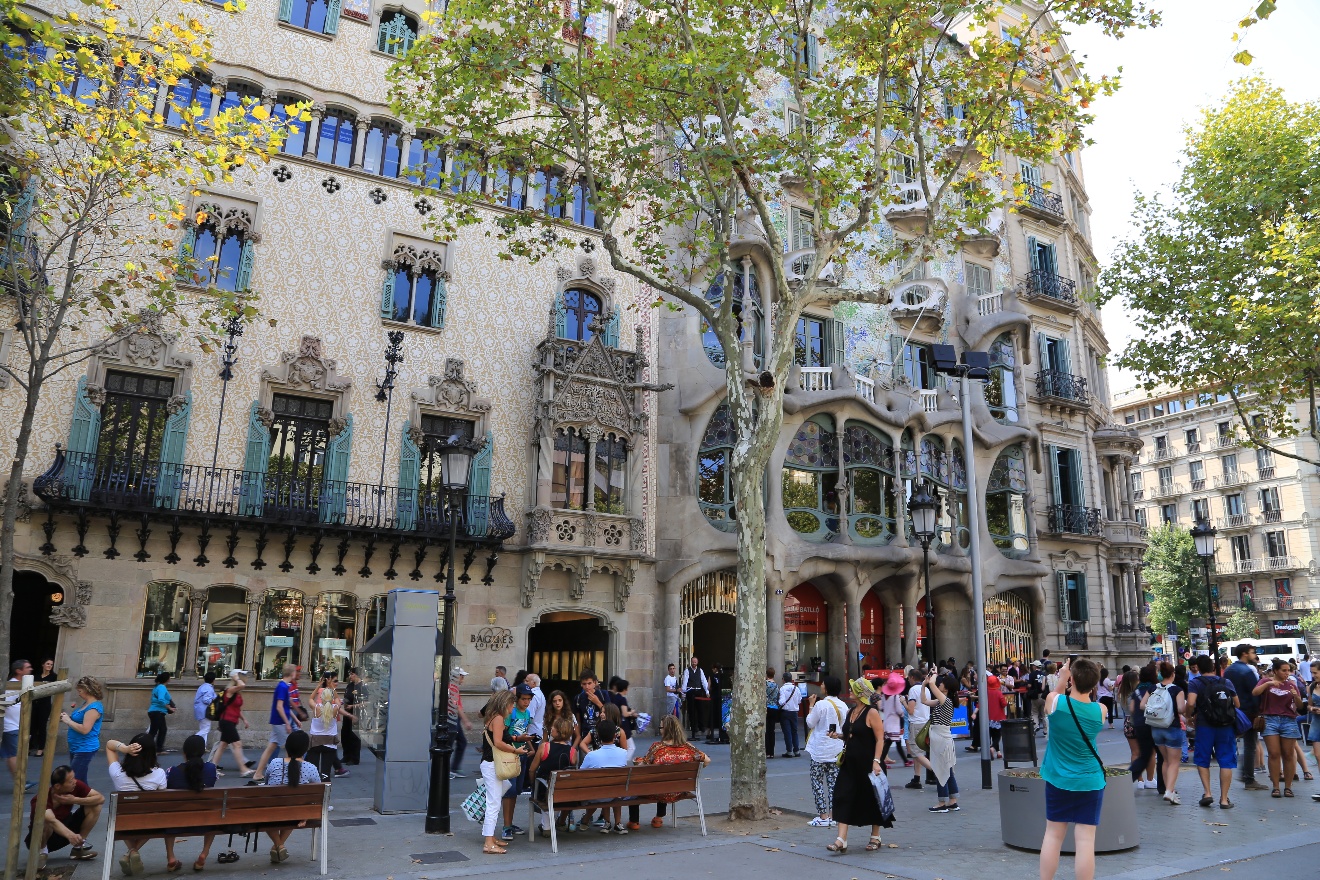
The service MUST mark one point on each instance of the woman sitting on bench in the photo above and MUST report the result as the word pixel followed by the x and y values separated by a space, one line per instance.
pixel 292 770
pixel 137 771
pixel 194 774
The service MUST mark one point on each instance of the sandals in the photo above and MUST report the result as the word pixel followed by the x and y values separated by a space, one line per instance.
pixel 174 866
pixel 873 844
pixel 1287 792
pixel 1275 794
pixel 1226 805
pixel 839 846
pixel 225 858
pixel 200 864
pixel 1308 776
pixel 1206 801
pixel 494 851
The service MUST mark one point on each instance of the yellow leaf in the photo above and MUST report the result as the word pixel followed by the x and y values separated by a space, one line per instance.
pixel 260 111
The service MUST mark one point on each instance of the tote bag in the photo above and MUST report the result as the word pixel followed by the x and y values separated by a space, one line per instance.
pixel 507 764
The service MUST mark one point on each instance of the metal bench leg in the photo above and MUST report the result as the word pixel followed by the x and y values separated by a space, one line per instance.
pixel 107 857
pixel 701 813
pixel 324 830
pixel 554 827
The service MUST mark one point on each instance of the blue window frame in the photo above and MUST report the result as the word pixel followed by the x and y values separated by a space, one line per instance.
pixel 335 144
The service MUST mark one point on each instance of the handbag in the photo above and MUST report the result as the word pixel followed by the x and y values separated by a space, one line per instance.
pixel 1242 723
pixel 507 764
pixel 1258 723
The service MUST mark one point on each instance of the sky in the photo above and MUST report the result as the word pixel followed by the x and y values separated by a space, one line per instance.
pixel 1168 75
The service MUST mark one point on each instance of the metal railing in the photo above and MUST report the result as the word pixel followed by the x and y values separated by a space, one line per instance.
pixel 1075 635
pixel 1236 521
pixel 1051 286
pixel 1063 386
pixel 817 378
pixel 1245 566
pixel 1198 485
pixel 1266 473
pixel 1043 200
pixel 1193 446
pixel 1074 520
pixel 1161 453
pixel 1232 478
pixel 299 498
pixel 1282 563
pixel 1223 441
pixel 1273 516
pixel 1166 490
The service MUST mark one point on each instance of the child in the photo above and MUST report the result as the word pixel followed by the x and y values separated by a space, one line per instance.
pixel 557 754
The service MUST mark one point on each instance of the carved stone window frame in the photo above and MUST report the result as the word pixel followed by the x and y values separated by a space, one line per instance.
pixel 145 348
pixel 587 275
pixel 451 395
pixel 228 212
pixel 306 372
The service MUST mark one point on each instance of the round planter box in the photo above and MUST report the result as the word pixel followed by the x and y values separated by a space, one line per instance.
pixel 1022 814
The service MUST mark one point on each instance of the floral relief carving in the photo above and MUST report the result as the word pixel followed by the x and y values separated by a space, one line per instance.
pixel 538 526
pixel 613 535
pixel 307 369
pixel 566 530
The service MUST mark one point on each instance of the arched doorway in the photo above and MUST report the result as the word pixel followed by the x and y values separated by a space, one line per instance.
pixel 806 631
pixel 712 640
pixel 706 623
pixel 32 636
pixel 1008 631
pixel 562 644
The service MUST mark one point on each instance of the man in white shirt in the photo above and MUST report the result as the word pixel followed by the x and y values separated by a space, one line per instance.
pixel 1304 668
pixel 13 712
pixel 693 686
pixel 789 699
pixel 537 708
pixel 918 715
pixel 671 690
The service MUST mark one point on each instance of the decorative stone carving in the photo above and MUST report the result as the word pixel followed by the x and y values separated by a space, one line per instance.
pixel 451 393
pixel 532 582
pixel 637 536
pixel 307 369
pixel 623 584
pixel 362 603
pixel 589 529
pixel 613 536
pixel 566 530
pixel 336 426
pixel 73 616
pixel 585 567
pixel 77 593
pixel 197 594
pixel 143 345
pixel 538 526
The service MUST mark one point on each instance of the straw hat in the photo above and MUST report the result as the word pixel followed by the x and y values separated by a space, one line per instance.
pixel 894 685
pixel 862 689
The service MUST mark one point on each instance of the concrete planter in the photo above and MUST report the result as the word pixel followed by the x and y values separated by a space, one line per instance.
pixel 1022 813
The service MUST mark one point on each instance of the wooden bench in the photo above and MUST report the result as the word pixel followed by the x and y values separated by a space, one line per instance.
pixel 136 814
pixel 624 786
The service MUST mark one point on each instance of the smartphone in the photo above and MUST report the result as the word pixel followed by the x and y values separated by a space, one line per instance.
pixel 1072 658
pixel 834 728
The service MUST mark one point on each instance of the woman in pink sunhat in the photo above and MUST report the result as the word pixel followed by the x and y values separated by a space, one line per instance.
pixel 892 710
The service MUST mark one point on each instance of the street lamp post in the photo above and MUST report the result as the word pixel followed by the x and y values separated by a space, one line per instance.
pixel 455 459
pixel 228 357
pixel 1204 535
pixel 922 507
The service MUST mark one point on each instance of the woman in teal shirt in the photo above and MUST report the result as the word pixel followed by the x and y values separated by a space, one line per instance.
pixel 84 723
pixel 1073 772
pixel 162 704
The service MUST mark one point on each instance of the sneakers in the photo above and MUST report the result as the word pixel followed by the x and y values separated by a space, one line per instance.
pixel 600 823
pixel 620 829
pixel 516 829
pixel 907 763
pixel 938 808
pixel 1253 785
pixel 507 833
pixel 952 808
pixel 657 822
pixel 818 822
pixel 604 829
pixel 634 826
pixel 914 783
pixel 341 772
pixel 1172 798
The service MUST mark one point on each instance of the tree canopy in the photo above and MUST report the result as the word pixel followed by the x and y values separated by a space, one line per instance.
pixel 1173 575
pixel 1223 272
pixel 1241 624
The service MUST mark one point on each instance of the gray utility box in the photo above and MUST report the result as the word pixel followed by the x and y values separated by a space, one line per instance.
pixel 398 666
pixel 1022 814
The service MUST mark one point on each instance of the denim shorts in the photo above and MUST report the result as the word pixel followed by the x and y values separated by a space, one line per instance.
pixel 1313 729
pixel 1282 725
pixel 9 745
pixel 1169 737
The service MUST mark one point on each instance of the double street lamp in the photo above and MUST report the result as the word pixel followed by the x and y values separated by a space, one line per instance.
pixel 1204 536
pixel 923 507
pixel 455 460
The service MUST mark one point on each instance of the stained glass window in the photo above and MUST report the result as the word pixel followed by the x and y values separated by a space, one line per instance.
pixel 1005 503
pixel 714 477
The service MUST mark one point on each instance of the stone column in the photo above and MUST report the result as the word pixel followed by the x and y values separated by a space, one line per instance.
pixel 837 661
pixel 255 600
pixel 632 477
pixel 218 87
pixel 268 97
pixel 900 505
pixel 314 130
pixel 361 126
pixel 841 489
pixel 162 101
pixel 362 605
pixel 305 648
pixel 196 599
pixel 406 135
pixel 671 594
pixel 893 647
pixel 910 599
pixel 853 622
pixel 774 623
pixel 589 471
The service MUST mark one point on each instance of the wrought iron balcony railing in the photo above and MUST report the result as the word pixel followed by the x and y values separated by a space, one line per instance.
pixel 1063 386
pixel 1044 201
pixel 1073 520
pixel 1051 286
pixel 125 486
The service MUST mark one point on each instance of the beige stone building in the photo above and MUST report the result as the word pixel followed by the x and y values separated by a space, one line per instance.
pixel 1263 506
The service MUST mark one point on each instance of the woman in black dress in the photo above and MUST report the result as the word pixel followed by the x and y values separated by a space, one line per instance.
pixel 41 708
pixel 855 801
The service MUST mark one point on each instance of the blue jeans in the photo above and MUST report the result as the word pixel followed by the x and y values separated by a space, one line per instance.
pixel 788 724
pixel 80 761
pixel 459 739
pixel 948 790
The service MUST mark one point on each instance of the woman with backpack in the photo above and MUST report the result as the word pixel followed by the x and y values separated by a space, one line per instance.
pixel 228 715
pixel 1164 708
pixel 1140 730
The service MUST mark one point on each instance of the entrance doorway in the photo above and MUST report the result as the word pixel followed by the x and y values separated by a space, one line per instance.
pixel 712 640
pixel 562 644
pixel 32 636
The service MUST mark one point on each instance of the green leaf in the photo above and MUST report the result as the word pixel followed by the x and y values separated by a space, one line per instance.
pixel 1243 57
pixel 1265 8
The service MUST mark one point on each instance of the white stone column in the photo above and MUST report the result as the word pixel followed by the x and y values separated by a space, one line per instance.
pixel 218 87
pixel 360 144
pixel 406 136
pixel 314 131
pixel 774 622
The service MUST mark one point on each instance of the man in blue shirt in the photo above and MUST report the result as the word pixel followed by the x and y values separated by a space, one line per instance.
pixel 1242 673
pixel 282 720
pixel 605 756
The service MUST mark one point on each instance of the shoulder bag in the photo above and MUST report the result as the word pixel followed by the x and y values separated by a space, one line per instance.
pixel 922 738
pixel 507 764
pixel 1082 733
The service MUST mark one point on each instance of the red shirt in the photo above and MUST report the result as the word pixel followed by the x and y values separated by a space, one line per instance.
pixel 62 811
pixel 1277 699
pixel 233 706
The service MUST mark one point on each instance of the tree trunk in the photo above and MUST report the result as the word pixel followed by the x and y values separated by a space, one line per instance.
pixel 10 515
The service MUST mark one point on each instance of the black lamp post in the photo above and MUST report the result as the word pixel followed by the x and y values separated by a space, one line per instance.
pixel 455 458
pixel 1204 536
pixel 385 389
pixel 922 507
pixel 228 357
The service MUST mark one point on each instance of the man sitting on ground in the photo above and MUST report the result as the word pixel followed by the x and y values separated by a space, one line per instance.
pixel 72 808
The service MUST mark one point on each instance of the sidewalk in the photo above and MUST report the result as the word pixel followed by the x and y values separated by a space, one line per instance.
pixel 922 846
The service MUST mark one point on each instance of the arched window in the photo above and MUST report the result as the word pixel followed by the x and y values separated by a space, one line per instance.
pixel 1001 390
pixel 869 457
pixel 334 143
pixel 418 294
pixel 296 143
pixel 279 630
pixel 221 252
pixel 580 309
pixel 954 517
pixel 1005 503
pixel 810 480
pixel 568 489
pixel 545 191
pixel 610 467
pixel 426 161
pixel 381 154
pixel 467 170
pixel 583 205
pixel 237 94
pixel 510 187
pixel 397 33
pixel 164 630
pixel 224 631
pixel 746 311
pixel 191 91
pixel 333 625
pixel 715 470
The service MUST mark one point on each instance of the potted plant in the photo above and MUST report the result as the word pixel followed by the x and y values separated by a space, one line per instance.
pixel 1022 811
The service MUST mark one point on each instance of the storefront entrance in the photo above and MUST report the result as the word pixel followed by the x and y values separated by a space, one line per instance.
pixel 806 632
pixel 561 645
pixel 1008 632
pixel 32 636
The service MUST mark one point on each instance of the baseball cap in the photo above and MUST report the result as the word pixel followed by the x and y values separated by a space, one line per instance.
pixel 525 691
pixel 457 672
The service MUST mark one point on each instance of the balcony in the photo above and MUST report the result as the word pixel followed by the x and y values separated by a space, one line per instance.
pixel 1168 490
pixel 1236 521
pixel 1198 485
pixel 1069 519
pixel 1050 289
pixel 1075 634
pixel 88 485
pixel 989 303
pixel 1273 516
pixel 1138 494
pixel 1063 388
pixel 930 400
pixel 1042 204
pixel 1232 478
pixel 1124 532
pixel 865 388
pixel 1222 441
pixel 1161 453
pixel 1193 447
pixel 1266 473
pixel 817 378
pixel 1244 566
pixel 1282 563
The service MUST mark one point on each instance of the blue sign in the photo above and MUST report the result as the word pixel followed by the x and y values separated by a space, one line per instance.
pixel 959 726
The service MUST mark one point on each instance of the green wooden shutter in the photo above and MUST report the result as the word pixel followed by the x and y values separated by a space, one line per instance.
pixel 387 296
pixel 478 501
pixel 174 440
pixel 1056 488
pixel 1083 613
pixel 18 221
pixel 1065 356
pixel 186 245
pixel 84 433
pixel 1033 254
pixel 243 279
pixel 612 329
pixel 1061 581
pixel 560 315
pixel 332 17
pixel 439 302
pixel 813 55
pixel 1043 344
pixel 838 343
pixel 410 475
pixel 256 459
pixel 334 492
pixel 286 10
pixel 1049 262
pixel 1078 484
pixel 896 355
